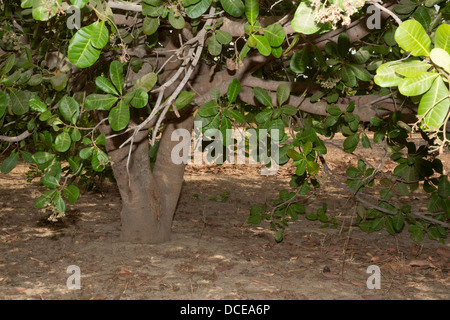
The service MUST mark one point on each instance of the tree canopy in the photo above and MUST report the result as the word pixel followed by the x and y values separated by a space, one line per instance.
pixel 95 89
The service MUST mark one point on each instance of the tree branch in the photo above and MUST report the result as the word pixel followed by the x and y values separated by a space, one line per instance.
pixel 18 138
pixel 358 197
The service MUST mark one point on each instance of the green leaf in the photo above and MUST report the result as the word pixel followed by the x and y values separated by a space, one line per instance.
pixel 441 58
pixel 214 47
pixel 150 25
pixel 235 8
pixel 398 221
pixel 293 154
pixel 70 109
pixel 79 3
pixel 37 105
pixel 9 163
pixel 60 204
pixel 11 79
pixel 99 160
pixel 27 157
pixel 365 141
pixel 351 142
pixel 386 75
pixel 412 37
pixel 196 10
pixel 225 126
pixel 208 109
pixel 49 181
pixel 119 116
pixel 19 102
pixel 299 61
pixel 412 69
pixel 289 110
pixel 343 44
pixel 105 85
pixel 360 72
pixel 71 192
pixel 153 10
pixel 176 19
pixel 251 9
pixel 263 116
pixel 417 85
pixel 76 135
pixel 348 76
pixel 262 96
pixel 183 99
pixel 416 232
pixel 43 11
pixel 86 153
pixel 99 34
pixel 275 34
pixel 435 104
pixel 361 56
pixel 156 3
pixel 233 90
pixel 304 20
pixel 101 140
pixel 116 75
pixel 312 167
pixel 140 98
pixel 44 199
pixel 146 82
pixel 8 64
pixel 444 187
pixel 263 45
pixel 283 93
pixel 237 116
pixel 213 126
pixel 85 44
pixel 59 82
pixel 42 157
pixel 421 14
pixel 223 37
pixel 442 37
pixel 334 110
pixel 279 233
pixel 333 97
pixel 277 51
pixel 100 101
pixel 63 142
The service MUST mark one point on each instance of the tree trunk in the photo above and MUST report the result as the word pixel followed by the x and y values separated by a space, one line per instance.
pixel 149 199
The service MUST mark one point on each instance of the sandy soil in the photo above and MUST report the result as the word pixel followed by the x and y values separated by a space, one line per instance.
pixel 214 252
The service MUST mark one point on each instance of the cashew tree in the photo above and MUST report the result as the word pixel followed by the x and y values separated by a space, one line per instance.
pixel 95 89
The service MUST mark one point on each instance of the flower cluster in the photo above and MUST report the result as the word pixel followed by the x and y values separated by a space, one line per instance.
pixel 328 83
pixel 334 11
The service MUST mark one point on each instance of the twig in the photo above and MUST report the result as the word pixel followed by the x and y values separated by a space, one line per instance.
pixel 377 4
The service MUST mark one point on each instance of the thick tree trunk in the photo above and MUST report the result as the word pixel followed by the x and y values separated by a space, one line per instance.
pixel 149 198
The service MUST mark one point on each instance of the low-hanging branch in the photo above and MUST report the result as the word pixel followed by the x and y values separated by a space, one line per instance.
pixel 358 197
pixel 18 138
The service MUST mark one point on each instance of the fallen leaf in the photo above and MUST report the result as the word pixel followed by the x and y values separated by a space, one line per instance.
pixel 357 283
pixel 443 252
pixel 330 276
pixel 125 272
pixel 421 263
pixel 97 298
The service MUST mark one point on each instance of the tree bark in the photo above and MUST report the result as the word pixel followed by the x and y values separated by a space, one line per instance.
pixel 149 198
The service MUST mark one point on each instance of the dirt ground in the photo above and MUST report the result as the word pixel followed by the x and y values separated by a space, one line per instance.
pixel 214 252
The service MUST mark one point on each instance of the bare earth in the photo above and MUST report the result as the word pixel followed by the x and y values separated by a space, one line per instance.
pixel 214 252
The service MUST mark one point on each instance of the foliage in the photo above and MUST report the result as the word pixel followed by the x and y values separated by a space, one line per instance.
pixel 51 118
